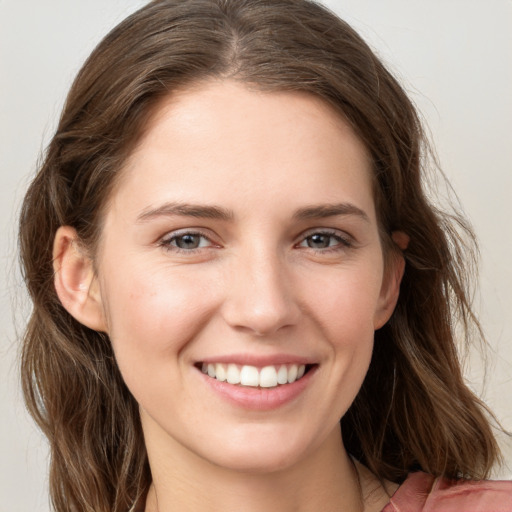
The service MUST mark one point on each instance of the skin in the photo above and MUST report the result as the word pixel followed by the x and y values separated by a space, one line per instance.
pixel 263 281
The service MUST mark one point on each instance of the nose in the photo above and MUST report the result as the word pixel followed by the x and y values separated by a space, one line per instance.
pixel 259 297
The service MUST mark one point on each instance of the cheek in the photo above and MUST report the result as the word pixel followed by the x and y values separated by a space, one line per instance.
pixel 151 318
pixel 343 307
pixel 345 303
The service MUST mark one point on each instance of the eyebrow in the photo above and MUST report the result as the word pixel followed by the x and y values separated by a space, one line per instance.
pixel 186 210
pixel 330 210
pixel 219 213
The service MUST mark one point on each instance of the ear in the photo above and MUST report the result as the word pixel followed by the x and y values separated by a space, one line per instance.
pixel 391 283
pixel 75 281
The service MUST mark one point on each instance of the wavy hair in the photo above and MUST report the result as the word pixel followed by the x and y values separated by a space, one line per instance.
pixel 413 410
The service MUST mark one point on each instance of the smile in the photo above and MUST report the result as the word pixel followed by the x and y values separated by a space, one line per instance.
pixel 251 376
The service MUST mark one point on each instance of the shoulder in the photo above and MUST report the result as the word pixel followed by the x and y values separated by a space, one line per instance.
pixel 424 493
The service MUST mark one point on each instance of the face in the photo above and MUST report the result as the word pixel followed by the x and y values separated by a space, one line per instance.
pixel 241 244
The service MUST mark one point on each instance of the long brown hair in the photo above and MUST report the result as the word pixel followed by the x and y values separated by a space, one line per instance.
pixel 414 410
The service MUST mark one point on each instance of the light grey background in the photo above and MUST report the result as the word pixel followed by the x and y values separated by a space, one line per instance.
pixel 455 59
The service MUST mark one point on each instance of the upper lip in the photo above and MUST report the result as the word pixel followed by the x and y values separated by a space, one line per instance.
pixel 258 360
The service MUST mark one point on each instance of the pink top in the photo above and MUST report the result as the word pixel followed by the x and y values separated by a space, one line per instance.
pixel 421 492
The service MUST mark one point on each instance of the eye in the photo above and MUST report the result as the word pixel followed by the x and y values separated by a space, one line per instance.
pixel 325 240
pixel 186 241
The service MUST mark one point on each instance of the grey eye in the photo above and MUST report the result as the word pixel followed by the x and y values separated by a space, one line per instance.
pixel 320 241
pixel 188 241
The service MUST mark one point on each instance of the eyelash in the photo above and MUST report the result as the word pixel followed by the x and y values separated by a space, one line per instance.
pixel 343 242
pixel 167 241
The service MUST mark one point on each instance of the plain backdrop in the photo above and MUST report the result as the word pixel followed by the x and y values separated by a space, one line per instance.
pixel 454 57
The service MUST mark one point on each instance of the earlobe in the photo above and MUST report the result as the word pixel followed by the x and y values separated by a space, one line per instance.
pixel 75 280
pixel 391 285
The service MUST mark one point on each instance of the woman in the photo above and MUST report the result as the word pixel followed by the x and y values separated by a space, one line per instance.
pixel 237 253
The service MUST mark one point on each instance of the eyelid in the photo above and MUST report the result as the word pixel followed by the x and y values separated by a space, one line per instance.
pixel 326 231
pixel 346 240
pixel 165 240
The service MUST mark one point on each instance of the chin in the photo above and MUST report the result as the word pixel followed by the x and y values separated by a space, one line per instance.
pixel 261 453
pixel 256 463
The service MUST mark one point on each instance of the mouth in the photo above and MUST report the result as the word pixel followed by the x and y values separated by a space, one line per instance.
pixel 270 376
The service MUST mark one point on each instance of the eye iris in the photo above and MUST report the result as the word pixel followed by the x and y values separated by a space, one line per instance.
pixel 188 241
pixel 319 241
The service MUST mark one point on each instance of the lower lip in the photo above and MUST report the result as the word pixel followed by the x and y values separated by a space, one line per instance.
pixel 259 399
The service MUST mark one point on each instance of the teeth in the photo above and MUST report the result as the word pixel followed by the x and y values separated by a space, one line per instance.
pixel 233 374
pixel 220 372
pixel 267 377
pixel 282 375
pixel 292 373
pixel 249 376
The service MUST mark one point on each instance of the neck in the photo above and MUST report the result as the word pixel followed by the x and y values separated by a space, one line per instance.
pixel 324 480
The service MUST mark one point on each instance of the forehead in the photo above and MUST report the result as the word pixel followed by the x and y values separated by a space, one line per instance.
pixel 221 136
